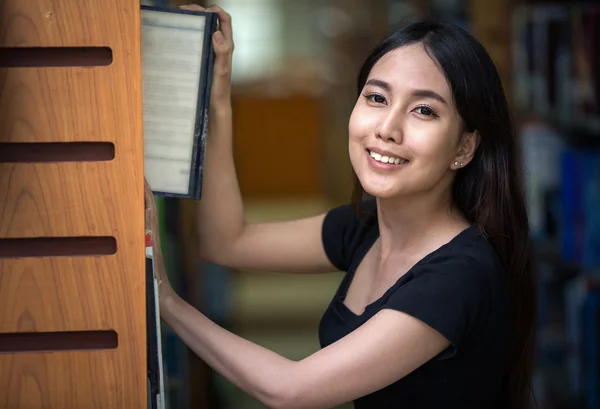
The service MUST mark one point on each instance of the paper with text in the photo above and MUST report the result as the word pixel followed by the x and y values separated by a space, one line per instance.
pixel 172 48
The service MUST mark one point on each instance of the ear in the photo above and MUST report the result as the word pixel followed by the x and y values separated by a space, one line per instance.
pixel 466 149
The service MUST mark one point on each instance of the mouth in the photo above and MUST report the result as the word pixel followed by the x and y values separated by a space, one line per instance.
pixel 387 160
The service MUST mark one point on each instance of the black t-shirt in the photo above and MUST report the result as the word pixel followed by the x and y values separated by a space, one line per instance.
pixel 460 290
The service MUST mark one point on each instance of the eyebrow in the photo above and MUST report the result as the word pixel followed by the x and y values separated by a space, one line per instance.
pixel 421 93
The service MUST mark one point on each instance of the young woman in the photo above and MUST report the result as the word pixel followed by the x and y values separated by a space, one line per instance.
pixel 437 309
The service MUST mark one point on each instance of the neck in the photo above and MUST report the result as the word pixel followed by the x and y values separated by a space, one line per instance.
pixel 409 223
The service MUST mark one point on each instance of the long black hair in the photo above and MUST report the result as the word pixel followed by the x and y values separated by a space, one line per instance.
pixel 489 190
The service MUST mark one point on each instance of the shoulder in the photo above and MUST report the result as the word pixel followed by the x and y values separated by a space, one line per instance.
pixel 345 229
pixel 455 289
pixel 452 272
pixel 469 255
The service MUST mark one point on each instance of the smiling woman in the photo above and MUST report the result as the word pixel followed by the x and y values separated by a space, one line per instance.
pixel 430 94
pixel 406 112
pixel 438 304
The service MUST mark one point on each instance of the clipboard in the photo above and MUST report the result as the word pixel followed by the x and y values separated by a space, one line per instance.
pixel 177 62
pixel 155 370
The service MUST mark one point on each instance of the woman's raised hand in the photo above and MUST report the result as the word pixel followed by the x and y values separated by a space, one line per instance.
pixel 223 46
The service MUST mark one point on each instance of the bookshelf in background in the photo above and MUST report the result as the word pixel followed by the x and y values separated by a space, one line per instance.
pixel 556 63
pixel 556 93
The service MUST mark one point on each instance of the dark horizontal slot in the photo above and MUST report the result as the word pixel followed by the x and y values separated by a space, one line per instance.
pixel 57 247
pixel 16 342
pixel 55 56
pixel 57 152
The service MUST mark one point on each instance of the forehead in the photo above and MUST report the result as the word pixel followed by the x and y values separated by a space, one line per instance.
pixel 410 67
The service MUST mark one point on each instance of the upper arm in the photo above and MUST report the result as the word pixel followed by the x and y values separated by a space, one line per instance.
pixel 386 348
pixel 430 316
pixel 322 243
pixel 290 246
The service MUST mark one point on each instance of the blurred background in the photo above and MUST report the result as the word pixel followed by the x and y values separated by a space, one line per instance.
pixel 295 67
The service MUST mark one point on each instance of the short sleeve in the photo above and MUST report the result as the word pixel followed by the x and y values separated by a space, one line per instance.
pixel 344 230
pixel 451 295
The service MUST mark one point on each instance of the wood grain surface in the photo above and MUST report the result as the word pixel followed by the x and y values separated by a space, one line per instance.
pixel 73 199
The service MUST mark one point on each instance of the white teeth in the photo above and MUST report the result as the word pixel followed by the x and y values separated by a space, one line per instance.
pixel 387 159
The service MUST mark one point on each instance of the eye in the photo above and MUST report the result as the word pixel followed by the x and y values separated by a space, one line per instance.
pixel 425 111
pixel 376 98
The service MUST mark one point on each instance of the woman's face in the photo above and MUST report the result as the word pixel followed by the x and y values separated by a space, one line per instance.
pixel 404 129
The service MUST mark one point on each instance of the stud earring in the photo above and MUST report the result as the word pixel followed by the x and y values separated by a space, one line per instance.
pixel 461 164
pixel 455 163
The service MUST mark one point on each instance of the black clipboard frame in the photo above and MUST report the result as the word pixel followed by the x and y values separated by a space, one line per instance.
pixel 202 104
pixel 154 368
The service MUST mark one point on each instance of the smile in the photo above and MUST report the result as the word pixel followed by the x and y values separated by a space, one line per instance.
pixel 387 159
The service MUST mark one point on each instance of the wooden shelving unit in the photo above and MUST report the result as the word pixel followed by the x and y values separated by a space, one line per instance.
pixel 72 284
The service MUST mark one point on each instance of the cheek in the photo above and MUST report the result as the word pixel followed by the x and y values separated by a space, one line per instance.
pixel 436 145
pixel 357 133
pixel 432 153
pixel 361 124
pixel 353 127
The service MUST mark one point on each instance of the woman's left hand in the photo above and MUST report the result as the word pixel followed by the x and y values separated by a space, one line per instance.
pixel 165 291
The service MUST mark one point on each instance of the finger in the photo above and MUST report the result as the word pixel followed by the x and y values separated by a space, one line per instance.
pixel 220 44
pixel 148 195
pixel 221 70
pixel 192 7
pixel 224 21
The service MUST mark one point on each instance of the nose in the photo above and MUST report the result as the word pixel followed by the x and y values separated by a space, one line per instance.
pixel 390 128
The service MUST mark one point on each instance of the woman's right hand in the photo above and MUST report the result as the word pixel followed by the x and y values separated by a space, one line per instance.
pixel 220 94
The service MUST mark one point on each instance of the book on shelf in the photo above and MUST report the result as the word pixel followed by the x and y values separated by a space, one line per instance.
pixel 155 368
pixel 177 60
pixel 556 65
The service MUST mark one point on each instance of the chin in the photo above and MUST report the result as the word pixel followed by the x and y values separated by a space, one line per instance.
pixel 383 193
pixel 380 188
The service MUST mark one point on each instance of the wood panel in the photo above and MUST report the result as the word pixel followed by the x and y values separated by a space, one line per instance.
pixel 50 95
pixel 91 199
pixel 68 104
